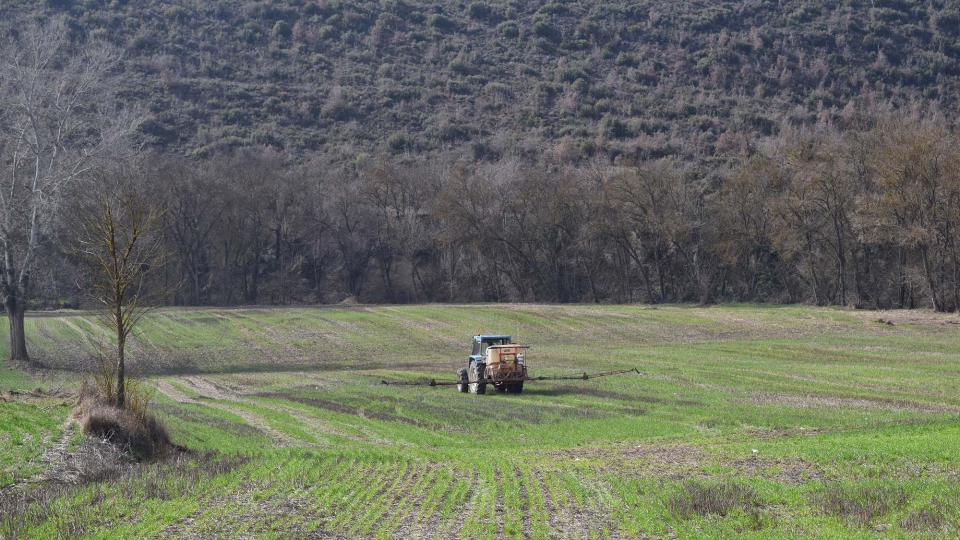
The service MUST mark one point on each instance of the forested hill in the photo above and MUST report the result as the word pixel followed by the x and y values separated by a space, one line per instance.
pixel 639 78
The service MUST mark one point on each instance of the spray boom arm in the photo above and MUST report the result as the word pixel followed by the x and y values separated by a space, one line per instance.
pixel 582 377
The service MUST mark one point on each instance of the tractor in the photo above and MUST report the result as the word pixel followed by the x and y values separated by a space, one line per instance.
pixel 494 360
pixel 497 360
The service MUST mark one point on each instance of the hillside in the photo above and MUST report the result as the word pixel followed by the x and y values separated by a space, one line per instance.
pixel 638 78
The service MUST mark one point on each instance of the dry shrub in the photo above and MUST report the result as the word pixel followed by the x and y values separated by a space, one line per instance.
pixel 860 504
pixel 103 384
pixel 102 380
pixel 717 498
pixel 143 436
pixel 131 428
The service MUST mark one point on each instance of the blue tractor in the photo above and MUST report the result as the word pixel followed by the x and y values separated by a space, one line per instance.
pixel 495 360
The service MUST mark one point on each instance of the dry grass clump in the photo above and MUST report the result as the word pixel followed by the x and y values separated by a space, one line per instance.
pixel 930 518
pixel 860 505
pixel 94 460
pixel 717 498
pixel 132 428
pixel 102 386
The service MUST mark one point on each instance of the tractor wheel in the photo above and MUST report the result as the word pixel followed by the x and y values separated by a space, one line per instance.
pixel 501 388
pixel 476 374
pixel 462 381
pixel 515 388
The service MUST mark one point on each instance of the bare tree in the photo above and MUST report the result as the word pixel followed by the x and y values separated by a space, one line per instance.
pixel 917 202
pixel 58 117
pixel 818 167
pixel 746 223
pixel 121 243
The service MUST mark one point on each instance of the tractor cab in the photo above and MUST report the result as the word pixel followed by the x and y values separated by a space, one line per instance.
pixel 482 342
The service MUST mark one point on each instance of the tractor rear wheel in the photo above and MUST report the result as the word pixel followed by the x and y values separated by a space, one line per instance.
pixel 462 381
pixel 476 374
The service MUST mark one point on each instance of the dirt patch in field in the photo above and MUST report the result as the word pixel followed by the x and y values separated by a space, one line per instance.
pixel 654 460
pixel 814 401
pixel 777 433
pixel 785 471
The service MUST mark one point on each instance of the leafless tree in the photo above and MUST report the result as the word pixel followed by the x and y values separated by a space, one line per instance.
pixel 917 203
pixel 121 243
pixel 58 118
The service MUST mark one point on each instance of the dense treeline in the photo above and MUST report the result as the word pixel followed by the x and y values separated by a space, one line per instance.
pixel 861 217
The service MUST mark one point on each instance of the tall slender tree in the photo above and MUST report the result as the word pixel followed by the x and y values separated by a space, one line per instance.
pixel 121 242
pixel 58 118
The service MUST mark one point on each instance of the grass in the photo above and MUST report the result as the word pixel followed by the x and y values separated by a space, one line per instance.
pixel 752 421
pixel 26 429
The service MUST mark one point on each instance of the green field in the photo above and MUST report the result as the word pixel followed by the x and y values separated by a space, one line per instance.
pixel 744 421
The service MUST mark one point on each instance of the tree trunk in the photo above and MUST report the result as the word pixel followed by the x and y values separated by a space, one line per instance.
pixel 121 370
pixel 861 260
pixel 931 282
pixel 842 262
pixel 956 284
pixel 705 288
pixel 226 283
pixel 195 283
pixel 644 270
pixel 813 271
pixel 451 274
pixel 18 340
pixel 253 292
pixel 901 278
pixel 386 274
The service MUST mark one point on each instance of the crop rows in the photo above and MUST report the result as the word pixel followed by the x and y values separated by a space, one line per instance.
pixel 743 420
